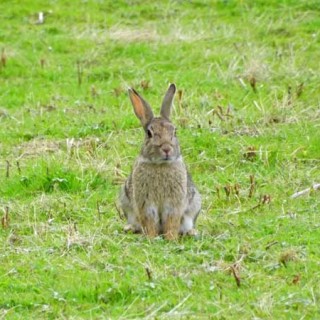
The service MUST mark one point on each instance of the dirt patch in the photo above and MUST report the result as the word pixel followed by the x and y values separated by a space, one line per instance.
pixel 148 33
pixel 133 35
pixel 36 147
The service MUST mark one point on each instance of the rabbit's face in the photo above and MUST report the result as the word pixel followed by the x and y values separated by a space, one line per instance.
pixel 161 144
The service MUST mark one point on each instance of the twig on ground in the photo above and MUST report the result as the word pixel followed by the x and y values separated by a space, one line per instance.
pixel 98 210
pixel 271 244
pixel 236 276
pixel 79 72
pixel 173 310
pixel 227 189
pixel 149 273
pixel 252 186
pixel 18 166
pixel 3 58
pixel 8 169
pixel 5 220
pixel 265 199
pixel 218 192
pixel 235 269
pixel 237 189
pixel 315 187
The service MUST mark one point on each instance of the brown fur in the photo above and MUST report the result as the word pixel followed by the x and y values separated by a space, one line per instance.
pixel 159 196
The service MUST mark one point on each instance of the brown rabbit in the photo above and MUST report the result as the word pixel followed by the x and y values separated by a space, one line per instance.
pixel 159 196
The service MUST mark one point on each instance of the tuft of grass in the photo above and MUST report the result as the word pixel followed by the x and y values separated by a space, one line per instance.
pixel 247 112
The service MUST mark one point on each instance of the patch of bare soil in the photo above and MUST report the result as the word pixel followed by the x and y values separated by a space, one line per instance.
pixel 37 147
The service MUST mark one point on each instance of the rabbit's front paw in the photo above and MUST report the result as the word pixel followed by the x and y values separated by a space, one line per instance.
pixel 129 228
pixel 192 233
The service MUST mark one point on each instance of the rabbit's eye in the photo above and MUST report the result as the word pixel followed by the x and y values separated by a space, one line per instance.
pixel 149 133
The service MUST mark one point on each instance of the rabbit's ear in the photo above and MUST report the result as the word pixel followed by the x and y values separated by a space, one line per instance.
pixel 141 107
pixel 167 102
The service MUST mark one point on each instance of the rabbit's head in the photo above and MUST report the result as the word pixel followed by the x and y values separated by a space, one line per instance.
pixel 161 144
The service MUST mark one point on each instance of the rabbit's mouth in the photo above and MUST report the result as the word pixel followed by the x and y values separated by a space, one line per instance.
pixel 161 160
pixel 167 158
pixel 164 159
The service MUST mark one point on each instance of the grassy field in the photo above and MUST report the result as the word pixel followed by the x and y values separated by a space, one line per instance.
pixel 249 119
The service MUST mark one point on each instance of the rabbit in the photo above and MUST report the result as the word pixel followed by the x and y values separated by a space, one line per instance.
pixel 159 197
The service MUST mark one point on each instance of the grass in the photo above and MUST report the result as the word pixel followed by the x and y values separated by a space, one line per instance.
pixel 249 107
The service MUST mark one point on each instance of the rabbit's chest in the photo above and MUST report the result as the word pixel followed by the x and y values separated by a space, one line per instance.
pixel 160 185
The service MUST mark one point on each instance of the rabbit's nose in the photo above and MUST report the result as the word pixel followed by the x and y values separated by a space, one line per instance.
pixel 166 150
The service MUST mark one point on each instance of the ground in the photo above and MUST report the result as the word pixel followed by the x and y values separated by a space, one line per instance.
pixel 247 112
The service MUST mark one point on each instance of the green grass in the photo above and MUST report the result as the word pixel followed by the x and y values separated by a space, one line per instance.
pixel 67 142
